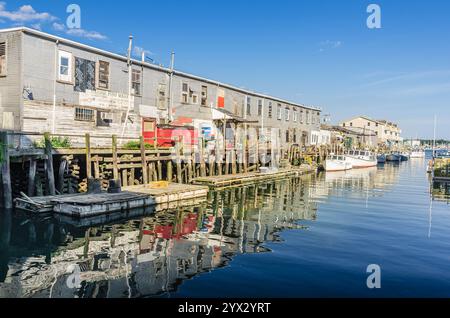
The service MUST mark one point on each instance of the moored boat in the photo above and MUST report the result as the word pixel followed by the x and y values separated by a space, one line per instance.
pixel 417 154
pixel 381 158
pixel 361 159
pixel 393 157
pixel 337 163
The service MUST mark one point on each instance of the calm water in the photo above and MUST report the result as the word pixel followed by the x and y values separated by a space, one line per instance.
pixel 308 237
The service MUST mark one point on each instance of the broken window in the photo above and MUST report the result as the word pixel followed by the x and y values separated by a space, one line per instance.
pixel 84 75
pixel 104 119
pixel 84 114
pixel 204 101
pixel 161 96
pixel 184 93
pixel 270 109
pixel 3 59
pixel 136 82
pixel 103 75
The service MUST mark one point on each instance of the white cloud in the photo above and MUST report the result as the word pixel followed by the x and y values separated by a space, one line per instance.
pixel 25 13
pixel 137 51
pixel 325 45
pixel 82 33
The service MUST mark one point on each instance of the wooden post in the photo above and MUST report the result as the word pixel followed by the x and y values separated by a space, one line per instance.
pixel 143 161
pixel 32 178
pixel 179 173
pixel 124 178
pixel 50 172
pixel 88 156
pixel 169 171
pixel 114 154
pixel 6 172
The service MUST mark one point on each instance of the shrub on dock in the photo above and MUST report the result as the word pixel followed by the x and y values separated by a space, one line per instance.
pixel 57 143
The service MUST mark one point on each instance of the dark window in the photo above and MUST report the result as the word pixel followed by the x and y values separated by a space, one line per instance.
pixel 270 110
pixel 287 135
pixel 204 101
pixel 136 82
pixel 3 59
pixel 103 74
pixel 84 75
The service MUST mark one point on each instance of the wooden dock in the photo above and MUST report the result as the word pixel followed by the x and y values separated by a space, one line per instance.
pixel 134 197
pixel 237 180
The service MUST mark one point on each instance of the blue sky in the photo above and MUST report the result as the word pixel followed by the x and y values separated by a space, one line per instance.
pixel 317 52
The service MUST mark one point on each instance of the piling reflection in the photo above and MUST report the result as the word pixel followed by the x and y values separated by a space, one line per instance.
pixel 153 252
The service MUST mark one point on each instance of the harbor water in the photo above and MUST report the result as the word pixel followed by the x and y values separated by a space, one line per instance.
pixel 313 236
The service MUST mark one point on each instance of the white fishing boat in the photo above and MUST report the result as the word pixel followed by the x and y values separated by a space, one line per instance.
pixel 361 159
pixel 337 163
pixel 417 154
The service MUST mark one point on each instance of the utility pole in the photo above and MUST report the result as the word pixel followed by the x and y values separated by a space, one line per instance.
pixel 170 108
pixel 130 47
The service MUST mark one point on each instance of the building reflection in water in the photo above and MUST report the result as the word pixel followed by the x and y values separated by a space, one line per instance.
pixel 153 252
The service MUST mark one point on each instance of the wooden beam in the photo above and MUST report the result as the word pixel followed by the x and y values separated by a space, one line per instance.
pixel 144 161
pixel 6 172
pixel 50 171
pixel 114 153
pixel 32 178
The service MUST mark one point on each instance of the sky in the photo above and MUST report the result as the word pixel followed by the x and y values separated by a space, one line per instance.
pixel 319 53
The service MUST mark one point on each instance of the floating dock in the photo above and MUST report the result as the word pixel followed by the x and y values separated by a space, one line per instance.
pixel 134 197
pixel 237 180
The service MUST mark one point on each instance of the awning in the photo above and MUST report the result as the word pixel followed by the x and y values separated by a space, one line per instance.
pixel 222 114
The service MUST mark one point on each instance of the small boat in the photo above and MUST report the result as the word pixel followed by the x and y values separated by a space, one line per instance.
pixel 393 157
pixel 381 159
pixel 337 163
pixel 417 154
pixel 404 156
pixel 361 159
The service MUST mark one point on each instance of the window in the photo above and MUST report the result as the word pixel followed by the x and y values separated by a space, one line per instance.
pixel 260 107
pixel 270 110
pixel 3 59
pixel 295 116
pixel 204 101
pixel 279 112
pixel 287 114
pixel 103 75
pixel 249 106
pixel 308 118
pixel 194 99
pixel 313 119
pixel 84 114
pixel 65 66
pixel 351 124
pixel 161 93
pixel 287 135
pixel 368 124
pixel 301 116
pixel 136 81
pixel 104 119
pixel 84 75
pixel 343 125
pixel 184 93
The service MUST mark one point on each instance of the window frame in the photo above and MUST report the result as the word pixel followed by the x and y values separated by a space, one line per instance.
pixel 98 75
pixel 69 78
pixel 85 119
pixel 4 71
pixel 133 82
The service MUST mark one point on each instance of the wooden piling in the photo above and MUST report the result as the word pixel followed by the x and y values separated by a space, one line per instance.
pixel 143 161
pixel 115 160
pixel 50 171
pixel 87 139
pixel 6 172
pixel 32 178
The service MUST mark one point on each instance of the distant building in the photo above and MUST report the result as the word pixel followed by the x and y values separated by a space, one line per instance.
pixel 386 132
